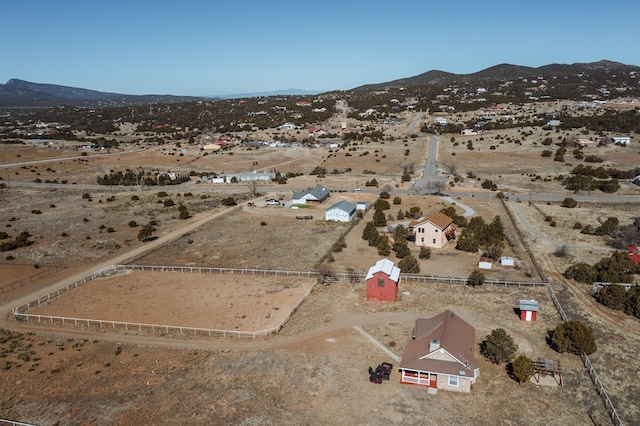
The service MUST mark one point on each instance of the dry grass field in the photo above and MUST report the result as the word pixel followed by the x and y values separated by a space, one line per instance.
pixel 214 301
pixel 314 371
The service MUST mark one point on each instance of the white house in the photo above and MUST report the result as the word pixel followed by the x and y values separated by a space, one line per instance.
pixel 622 140
pixel 315 195
pixel 288 126
pixel 342 211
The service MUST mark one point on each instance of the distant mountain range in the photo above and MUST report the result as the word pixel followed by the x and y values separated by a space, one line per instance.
pixel 287 92
pixel 505 72
pixel 20 93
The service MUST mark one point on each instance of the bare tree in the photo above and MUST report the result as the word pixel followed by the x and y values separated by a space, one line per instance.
pixel 253 188
pixel 409 167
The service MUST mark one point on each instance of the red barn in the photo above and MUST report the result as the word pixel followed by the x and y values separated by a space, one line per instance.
pixel 382 281
pixel 528 310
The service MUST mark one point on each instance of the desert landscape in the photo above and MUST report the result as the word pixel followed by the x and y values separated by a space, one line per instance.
pixel 313 370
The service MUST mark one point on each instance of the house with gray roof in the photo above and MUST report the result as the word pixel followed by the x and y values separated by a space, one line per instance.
pixel 342 211
pixel 315 195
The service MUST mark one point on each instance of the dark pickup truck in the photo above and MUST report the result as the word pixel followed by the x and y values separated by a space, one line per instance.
pixel 382 372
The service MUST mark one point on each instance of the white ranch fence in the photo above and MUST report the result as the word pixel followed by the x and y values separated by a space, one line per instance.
pixel 15 423
pixel 21 312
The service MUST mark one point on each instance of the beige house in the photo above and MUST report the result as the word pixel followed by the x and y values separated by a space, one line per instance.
pixel 434 231
pixel 441 354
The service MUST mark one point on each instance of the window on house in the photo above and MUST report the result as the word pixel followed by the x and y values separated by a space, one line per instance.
pixel 453 381
pixel 380 282
pixel 435 230
pixel 434 241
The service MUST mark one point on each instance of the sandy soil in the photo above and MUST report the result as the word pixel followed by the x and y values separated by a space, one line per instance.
pixel 215 301
pixel 316 368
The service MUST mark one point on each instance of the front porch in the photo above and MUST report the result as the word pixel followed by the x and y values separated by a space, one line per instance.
pixel 419 378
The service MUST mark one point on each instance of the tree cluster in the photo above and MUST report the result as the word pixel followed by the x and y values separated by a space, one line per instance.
pixel 618 297
pixel 617 268
pixel 487 236
pixel 20 240
pixel 608 227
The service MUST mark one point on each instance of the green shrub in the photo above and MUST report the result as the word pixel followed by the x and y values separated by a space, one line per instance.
pixel 476 278
pixel 425 253
pixel 574 337
pixel 498 347
pixel 521 369
pixel 229 201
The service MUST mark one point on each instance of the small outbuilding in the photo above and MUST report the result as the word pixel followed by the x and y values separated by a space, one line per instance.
pixel 528 310
pixel 485 263
pixel 383 279
pixel 507 261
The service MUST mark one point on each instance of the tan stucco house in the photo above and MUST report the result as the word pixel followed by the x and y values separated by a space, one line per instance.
pixel 434 231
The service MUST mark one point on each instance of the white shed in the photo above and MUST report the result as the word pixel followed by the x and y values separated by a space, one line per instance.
pixel 507 261
pixel 342 211
pixel 485 263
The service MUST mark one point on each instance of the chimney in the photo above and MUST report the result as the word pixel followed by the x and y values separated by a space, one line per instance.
pixel 434 344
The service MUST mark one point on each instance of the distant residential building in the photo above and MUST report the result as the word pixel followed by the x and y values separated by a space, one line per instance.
pixel 288 126
pixel 622 140
pixel 311 196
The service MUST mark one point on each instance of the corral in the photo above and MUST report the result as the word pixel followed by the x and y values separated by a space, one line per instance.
pixel 165 300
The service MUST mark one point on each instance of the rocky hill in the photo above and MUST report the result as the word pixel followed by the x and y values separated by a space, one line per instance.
pixel 20 93
pixel 508 72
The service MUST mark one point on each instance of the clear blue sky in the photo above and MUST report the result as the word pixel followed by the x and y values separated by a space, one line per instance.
pixel 219 47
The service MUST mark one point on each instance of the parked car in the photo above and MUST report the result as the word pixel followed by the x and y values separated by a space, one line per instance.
pixel 307 217
pixel 273 202
pixel 357 189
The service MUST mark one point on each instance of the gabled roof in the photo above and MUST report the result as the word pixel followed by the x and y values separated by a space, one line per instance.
pixel 344 205
pixel 439 220
pixel 528 305
pixel 319 193
pixel 387 267
pixel 456 338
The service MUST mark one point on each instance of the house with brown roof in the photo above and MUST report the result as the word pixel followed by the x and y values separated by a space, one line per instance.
pixel 435 231
pixel 441 354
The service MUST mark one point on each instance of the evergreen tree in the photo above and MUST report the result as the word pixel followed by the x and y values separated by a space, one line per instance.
pixel 384 248
pixel 498 347
pixel 574 337
pixel 521 368
pixel 409 265
pixel 379 218
pixel 425 252
pixel 369 228
pixel 400 233
pixel 467 241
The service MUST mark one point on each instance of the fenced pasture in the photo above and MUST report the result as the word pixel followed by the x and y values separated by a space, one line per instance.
pixel 175 301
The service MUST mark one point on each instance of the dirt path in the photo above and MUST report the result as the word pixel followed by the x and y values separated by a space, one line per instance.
pixel 191 225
